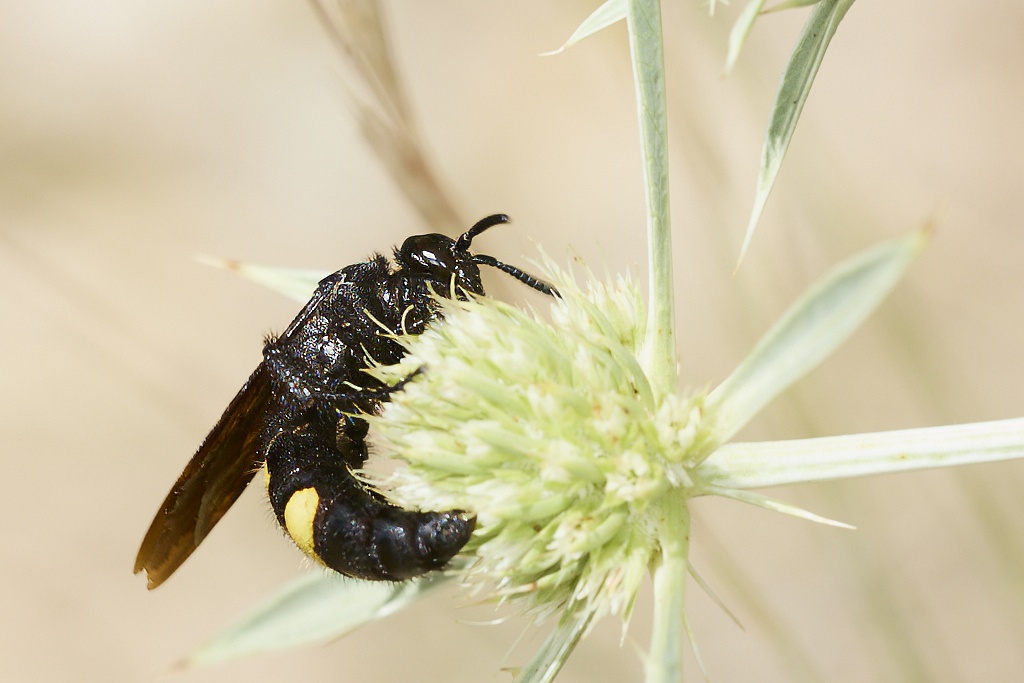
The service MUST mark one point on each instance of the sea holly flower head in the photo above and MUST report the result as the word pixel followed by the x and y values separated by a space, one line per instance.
pixel 552 434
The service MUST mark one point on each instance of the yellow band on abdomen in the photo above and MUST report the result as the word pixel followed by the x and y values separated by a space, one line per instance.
pixel 299 514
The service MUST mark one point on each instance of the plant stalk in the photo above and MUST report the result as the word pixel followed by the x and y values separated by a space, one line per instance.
pixel 647 54
pixel 664 661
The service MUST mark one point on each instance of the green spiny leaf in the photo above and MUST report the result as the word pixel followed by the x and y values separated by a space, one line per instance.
pixel 740 31
pixel 312 609
pixel 821 319
pixel 789 101
pixel 611 12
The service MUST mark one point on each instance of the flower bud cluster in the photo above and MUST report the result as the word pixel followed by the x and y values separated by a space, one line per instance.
pixel 551 434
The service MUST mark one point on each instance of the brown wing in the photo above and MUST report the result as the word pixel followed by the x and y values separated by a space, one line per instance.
pixel 212 481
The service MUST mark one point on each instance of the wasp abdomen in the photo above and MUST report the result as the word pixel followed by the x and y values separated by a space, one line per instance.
pixel 401 543
pixel 341 523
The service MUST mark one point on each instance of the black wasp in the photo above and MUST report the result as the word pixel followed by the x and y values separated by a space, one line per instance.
pixel 297 417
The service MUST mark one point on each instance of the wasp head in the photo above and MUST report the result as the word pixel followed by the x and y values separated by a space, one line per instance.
pixel 447 262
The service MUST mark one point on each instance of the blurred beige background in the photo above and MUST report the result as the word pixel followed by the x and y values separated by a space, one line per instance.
pixel 136 135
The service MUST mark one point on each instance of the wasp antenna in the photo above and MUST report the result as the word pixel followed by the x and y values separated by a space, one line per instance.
pixel 462 244
pixel 522 276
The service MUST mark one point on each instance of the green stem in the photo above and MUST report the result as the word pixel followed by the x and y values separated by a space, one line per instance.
pixel 646 51
pixel 664 661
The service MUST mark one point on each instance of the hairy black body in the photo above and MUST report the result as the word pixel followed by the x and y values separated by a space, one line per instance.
pixel 298 415
pixel 312 440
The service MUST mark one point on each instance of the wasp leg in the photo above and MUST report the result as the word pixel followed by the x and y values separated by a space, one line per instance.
pixel 361 394
pixel 338 521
